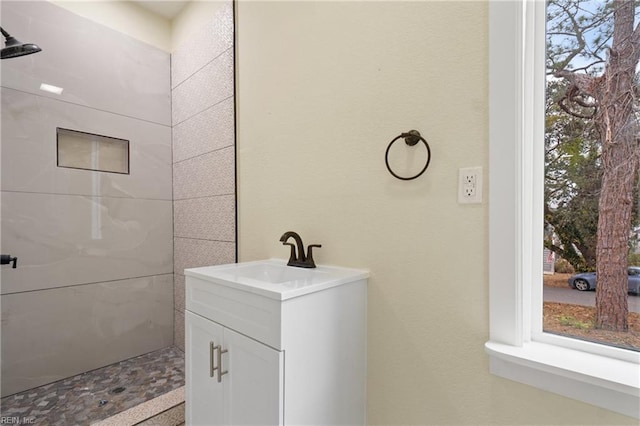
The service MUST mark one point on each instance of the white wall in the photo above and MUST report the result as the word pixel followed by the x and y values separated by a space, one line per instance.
pixel 126 17
pixel 322 89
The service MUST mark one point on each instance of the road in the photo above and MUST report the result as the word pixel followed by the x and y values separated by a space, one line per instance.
pixel 585 298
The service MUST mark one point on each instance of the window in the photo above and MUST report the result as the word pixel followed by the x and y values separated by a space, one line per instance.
pixel 80 150
pixel 600 375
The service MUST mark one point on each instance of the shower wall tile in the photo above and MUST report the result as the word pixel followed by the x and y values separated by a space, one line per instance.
pixel 204 44
pixel 204 176
pixel 203 117
pixel 209 86
pixel 192 253
pixel 48 335
pixel 29 158
pixel 208 218
pixel 207 131
pixel 179 292
pixel 94 283
pixel 96 66
pixel 178 321
pixel 63 240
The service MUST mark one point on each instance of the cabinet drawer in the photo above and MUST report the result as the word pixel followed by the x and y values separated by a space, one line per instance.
pixel 247 313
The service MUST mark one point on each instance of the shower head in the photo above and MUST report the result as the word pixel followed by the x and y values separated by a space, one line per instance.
pixel 14 48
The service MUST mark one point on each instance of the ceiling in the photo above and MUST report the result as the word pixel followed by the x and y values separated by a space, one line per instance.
pixel 167 9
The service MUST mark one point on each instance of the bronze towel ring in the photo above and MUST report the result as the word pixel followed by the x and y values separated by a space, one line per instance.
pixel 411 138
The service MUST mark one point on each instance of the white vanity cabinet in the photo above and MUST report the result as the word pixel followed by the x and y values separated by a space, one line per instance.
pixel 270 344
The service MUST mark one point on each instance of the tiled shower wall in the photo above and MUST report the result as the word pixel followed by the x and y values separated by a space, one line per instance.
pixel 202 82
pixel 94 283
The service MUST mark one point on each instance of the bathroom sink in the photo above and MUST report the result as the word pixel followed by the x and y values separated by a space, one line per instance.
pixel 273 273
pixel 274 279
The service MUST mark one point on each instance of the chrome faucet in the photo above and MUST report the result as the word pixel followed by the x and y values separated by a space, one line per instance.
pixel 297 256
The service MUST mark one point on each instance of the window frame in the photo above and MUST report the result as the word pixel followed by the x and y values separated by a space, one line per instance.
pixel 518 349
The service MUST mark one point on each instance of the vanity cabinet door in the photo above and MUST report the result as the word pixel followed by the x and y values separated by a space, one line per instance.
pixel 230 378
pixel 254 382
pixel 204 395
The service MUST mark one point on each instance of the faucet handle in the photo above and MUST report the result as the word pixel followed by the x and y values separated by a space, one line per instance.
pixel 310 261
pixel 6 259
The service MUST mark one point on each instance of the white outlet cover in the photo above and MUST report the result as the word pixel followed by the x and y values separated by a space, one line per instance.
pixel 470 185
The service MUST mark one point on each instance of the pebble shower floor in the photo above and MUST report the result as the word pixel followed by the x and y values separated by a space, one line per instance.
pixel 95 395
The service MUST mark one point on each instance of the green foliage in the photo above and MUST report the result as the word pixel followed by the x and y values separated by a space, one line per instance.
pixel 572 184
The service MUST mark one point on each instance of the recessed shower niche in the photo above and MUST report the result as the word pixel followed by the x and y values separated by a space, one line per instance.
pixel 88 151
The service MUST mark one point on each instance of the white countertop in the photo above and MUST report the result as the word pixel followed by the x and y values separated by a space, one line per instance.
pixel 274 279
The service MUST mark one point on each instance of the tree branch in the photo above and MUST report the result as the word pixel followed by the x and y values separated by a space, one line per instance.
pixel 583 82
pixel 586 67
pixel 578 35
pixel 568 110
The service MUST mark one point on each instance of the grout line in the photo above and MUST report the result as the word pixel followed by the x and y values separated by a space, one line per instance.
pixel 203 196
pixel 58 194
pixel 202 239
pixel 200 112
pixel 85 106
pixel 201 68
pixel 204 153
pixel 84 284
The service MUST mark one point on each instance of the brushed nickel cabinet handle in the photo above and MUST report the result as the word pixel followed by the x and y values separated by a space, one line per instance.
pixel 212 367
pixel 219 367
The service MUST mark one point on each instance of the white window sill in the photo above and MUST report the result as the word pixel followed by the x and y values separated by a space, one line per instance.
pixel 599 380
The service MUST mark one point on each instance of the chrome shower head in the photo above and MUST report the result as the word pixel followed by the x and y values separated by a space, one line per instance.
pixel 14 48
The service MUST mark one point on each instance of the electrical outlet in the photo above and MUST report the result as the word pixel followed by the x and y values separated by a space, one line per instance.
pixel 470 185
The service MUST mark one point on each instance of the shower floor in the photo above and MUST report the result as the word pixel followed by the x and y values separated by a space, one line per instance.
pixel 98 394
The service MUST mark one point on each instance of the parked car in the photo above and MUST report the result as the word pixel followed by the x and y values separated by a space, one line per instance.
pixel 587 280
